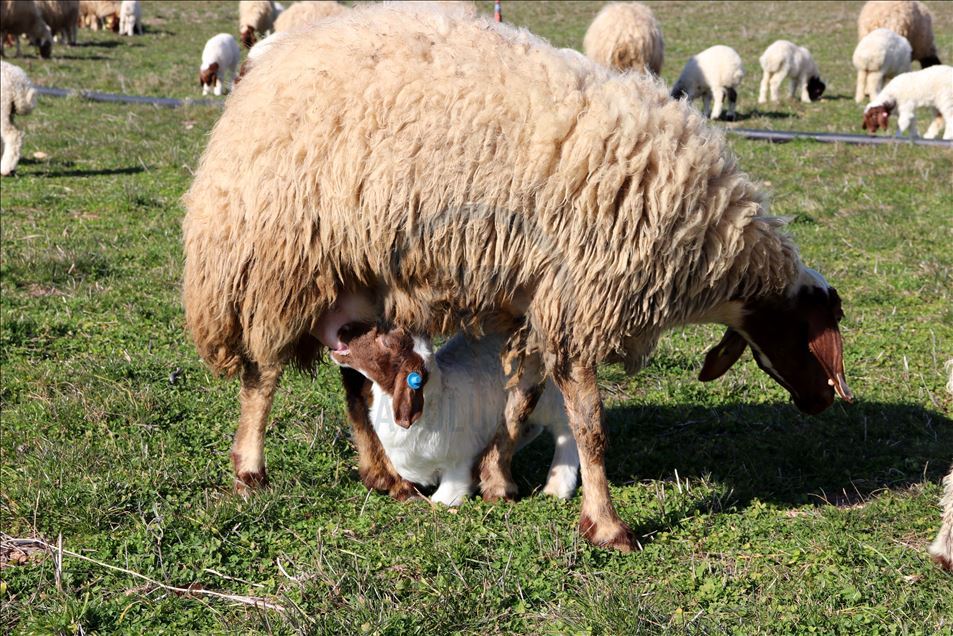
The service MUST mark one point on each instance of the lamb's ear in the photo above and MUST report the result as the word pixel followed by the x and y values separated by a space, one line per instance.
pixel 408 402
pixel 722 356
pixel 825 343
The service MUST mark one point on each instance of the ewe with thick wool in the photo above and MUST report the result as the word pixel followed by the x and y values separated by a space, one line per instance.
pixel 786 60
pixel 17 97
pixel 445 173
pixel 23 17
pixel 879 57
pixel 912 20
pixel 626 36
pixel 255 19
pixel 714 75
pixel 62 16
pixel 927 88
pixel 941 550
pixel 301 14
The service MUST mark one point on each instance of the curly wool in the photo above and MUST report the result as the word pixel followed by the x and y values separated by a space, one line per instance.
pixel 626 36
pixel 912 20
pixel 17 97
pixel 456 167
pixel 258 15
pixel 301 14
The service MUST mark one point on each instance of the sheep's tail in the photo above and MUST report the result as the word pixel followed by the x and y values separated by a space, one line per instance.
pixel 217 333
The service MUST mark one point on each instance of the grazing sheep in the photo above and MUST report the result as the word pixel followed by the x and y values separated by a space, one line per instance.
pixel 880 56
pixel 912 20
pixel 715 73
pixel 435 414
pixel 301 14
pixel 93 14
pixel 932 87
pixel 23 17
pixel 254 17
pixel 17 97
pixel 130 18
pixel 624 36
pixel 581 211
pixel 62 16
pixel 783 60
pixel 219 60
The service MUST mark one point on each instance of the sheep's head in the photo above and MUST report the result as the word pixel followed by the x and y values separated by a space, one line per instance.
pixel 877 117
pixel 929 60
pixel 394 359
pixel 815 88
pixel 207 75
pixel 794 338
pixel 247 34
pixel 44 42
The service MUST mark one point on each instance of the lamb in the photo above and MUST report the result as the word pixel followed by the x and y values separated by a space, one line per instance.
pixel 941 550
pixel 905 93
pixel 911 20
pixel 62 16
pixel 715 73
pixel 783 60
pixel 254 16
pixel 23 17
pixel 435 414
pixel 624 36
pixel 219 58
pixel 578 211
pixel 301 14
pixel 880 56
pixel 93 13
pixel 130 18
pixel 17 97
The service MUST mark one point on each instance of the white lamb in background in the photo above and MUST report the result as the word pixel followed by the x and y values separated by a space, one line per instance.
pixel 130 18
pixel 931 87
pixel 17 97
pixel 220 56
pixel 715 73
pixel 436 414
pixel 880 56
pixel 786 60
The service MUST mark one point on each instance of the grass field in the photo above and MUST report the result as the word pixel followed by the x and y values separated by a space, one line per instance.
pixel 754 518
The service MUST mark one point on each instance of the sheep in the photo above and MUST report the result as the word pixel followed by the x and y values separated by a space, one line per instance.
pixel 23 17
pixel 912 20
pixel 219 58
pixel 93 13
pixel 434 430
pixel 941 550
pixel 254 16
pixel 783 60
pixel 581 212
pixel 62 16
pixel 17 97
pixel 715 73
pixel 301 14
pixel 624 36
pixel 932 86
pixel 880 56
pixel 130 18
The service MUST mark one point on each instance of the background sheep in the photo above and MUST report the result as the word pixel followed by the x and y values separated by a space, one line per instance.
pixel 785 59
pixel 17 97
pixel 23 17
pixel 130 18
pixel 715 73
pixel 879 57
pixel 219 60
pixel 912 20
pixel 94 14
pixel 930 87
pixel 62 16
pixel 301 14
pixel 255 18
pixel 582 211
pixel 626 36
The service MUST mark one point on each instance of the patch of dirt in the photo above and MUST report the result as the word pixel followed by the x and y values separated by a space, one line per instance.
pixel 20 552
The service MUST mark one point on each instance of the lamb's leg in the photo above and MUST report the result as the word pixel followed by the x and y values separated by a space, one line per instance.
pixel 706 105
pixel 776 80
pixel 875 80
pixel 259 383
pixel 564 471
pixel 599 522
pixel 941 550
pixel 763 92
pixel 218 85
pixel 907 120
pixel 12 142
pixel 805 96
pixel 456 485
pixel 935 126
pixel 374 467
pixel 718 93
pixel 861 90
pixel 792 87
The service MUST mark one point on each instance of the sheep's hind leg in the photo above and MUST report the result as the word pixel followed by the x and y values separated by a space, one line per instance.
pixel 861 90
pixel 935 126
pixel 259 383
pixel 599 522
pixel 763 91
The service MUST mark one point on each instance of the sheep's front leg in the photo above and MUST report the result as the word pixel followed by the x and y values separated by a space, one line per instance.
pixel 907 120
pixel 941 550
pixel 763 91
pixel 374 467
pixel 456 484
pixel 218 85
pixel 718 94
pixel 599 522
pixel 875 82
pixel 861 90
pixel 259 383
pixel 805 96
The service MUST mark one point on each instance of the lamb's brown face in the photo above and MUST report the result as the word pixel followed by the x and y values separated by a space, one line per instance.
pixel 877 117
pixel 207 77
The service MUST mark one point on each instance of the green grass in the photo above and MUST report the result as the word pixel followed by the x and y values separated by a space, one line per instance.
pixel 754 518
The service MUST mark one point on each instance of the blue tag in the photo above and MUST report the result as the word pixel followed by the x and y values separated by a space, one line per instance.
pixel 415 380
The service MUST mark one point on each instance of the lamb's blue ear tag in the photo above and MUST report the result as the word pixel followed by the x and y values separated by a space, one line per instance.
pixel 415 380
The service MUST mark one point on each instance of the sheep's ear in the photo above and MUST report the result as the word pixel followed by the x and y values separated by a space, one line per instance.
pixel 825 343
pixel 408 403
pixel 722 356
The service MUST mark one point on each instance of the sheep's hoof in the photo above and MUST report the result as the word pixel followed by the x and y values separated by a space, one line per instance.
pixel 608 534
pixel 248 482
pixel 404 490
pixel 501 491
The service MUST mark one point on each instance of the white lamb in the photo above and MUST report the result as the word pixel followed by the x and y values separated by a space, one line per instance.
pixel 931 87
pixel 715 73
pixel 786 60
pixel 220 56
pixel 880 56
pixel 436 414
pixel 17 97
pixel 130 18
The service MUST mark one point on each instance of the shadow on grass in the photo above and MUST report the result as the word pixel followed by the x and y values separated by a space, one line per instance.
pixel 102 44
pixel 82 57
pixel 85 173
pixel 757 114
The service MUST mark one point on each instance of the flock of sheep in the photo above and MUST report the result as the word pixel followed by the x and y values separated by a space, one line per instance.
pixel 418 170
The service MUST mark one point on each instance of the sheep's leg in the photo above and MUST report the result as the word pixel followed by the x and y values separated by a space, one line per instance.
pixel 706 104
pixel 907 120
pixel 455 486
pixel 259 383
pixel 875 80
pixel 805 96
pixel 564 471
pixel 775 84
pixel 599 522
pixel 718 94
pixel 935 126
pixel 374 467
pixel 941 550
pixel 792 87
pixel 218 85
pixel 496 480
pixel 861 90
pixel 12 142
pixel 763 92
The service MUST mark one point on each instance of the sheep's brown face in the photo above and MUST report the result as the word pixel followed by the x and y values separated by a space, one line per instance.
pixel 815 88
pixel 795 339
pixel 247 36
pixel 877 117
pixel 390 359
pixel 207 76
